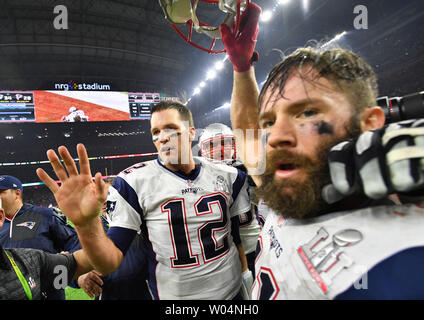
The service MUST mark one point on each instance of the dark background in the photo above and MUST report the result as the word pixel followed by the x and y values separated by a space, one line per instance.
pixel 129 45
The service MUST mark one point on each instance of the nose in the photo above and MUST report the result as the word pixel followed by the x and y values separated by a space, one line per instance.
pixel 282 134
pixel 163 137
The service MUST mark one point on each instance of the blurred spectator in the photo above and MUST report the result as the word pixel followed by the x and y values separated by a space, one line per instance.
pixel 28 226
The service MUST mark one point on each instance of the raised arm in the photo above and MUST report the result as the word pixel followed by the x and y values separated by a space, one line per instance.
pixel 241 52
pixel 81 199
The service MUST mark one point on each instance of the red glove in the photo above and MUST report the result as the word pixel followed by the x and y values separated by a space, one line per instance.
pixel 240 48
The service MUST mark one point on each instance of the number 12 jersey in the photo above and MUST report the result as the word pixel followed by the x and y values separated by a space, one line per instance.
pixel 186 224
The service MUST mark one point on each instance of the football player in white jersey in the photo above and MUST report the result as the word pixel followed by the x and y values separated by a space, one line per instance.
pixel 217 144
pixel 75 115
pixel 186 207
pixel 332 233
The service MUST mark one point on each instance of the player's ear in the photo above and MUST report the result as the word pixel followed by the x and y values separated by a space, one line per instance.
pixel 18 193
pixel 372 118
pixel 2 217
pixel 192 133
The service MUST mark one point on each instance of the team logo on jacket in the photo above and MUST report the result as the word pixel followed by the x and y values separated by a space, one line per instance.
pixel 29 224
pixel 324 257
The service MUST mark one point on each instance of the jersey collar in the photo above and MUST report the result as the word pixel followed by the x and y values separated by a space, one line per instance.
pixel 186 176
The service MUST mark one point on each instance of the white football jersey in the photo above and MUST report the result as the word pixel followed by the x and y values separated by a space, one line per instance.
pixel 249 230
pixel 371 253
pixel 263 210
pixel 186 221
pixel 73 115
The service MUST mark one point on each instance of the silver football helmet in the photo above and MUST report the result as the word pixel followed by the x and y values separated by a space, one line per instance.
pixel 179 12
pixel 217 143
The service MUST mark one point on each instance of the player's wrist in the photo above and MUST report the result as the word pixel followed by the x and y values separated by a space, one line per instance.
pixel 89 227
pixel 241 66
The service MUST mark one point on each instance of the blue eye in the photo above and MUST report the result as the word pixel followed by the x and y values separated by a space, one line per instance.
pixel 267 124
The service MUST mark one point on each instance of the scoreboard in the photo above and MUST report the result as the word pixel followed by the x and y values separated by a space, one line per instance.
pixel 17 106
pixel 141 104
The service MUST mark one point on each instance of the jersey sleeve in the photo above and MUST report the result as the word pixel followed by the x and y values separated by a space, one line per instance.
pixel 124 213
pixel 123 207
pixel 240 195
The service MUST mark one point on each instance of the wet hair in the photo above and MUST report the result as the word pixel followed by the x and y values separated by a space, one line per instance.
pixel 345 69
pixel 185 113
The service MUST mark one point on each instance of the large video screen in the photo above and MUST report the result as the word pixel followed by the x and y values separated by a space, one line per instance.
pixel 16 106
pixel 77 106
pixel 80 106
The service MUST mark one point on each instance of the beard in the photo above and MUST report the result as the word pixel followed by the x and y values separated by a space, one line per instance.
pixel 304 199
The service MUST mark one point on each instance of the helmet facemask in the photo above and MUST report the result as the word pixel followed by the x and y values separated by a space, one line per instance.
pixel 180 12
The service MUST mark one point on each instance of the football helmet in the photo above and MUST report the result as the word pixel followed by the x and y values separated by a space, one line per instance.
pixel 217 143
pixel 179 12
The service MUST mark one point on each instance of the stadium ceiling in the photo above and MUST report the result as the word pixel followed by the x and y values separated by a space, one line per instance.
pixel 129 45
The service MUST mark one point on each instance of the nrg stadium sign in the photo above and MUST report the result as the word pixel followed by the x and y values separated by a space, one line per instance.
pixel 71 85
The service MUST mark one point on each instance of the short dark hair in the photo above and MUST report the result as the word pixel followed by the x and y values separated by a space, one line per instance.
pixel 347 70
pixel 185 113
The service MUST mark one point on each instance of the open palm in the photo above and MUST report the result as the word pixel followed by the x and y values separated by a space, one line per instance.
pixel 79 197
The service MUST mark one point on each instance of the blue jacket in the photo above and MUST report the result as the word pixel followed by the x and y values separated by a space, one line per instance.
pixel 128 282
pixel 39 228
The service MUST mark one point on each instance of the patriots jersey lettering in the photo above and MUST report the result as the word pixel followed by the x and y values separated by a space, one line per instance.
pixel 262 212
pixel 371 253
pixel 186 221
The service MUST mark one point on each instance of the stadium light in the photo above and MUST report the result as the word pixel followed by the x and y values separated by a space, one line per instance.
pixel 196 91
pixel 219 65
pixel 283 2
pixel 211 74
pixel 336 38
pixel 266 16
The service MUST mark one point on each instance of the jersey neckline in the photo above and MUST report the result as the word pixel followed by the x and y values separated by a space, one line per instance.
pixel 186 176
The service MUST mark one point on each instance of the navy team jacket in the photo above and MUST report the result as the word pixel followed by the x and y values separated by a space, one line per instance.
pixel 39 228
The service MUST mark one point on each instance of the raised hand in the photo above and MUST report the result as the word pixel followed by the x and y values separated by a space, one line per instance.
pixel 79 197
pixel 240 47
